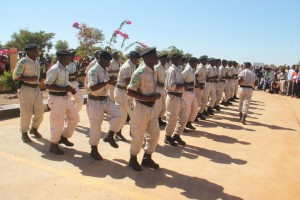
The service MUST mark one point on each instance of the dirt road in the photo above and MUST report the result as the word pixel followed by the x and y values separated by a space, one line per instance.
pixel 223 160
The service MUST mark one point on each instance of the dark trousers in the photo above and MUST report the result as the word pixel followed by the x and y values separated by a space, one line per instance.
pixel 289 87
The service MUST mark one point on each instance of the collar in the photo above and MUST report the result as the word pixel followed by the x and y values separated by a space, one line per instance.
pixel 27 57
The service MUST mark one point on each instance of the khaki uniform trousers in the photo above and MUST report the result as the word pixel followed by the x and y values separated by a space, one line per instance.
pixel 160 106
pixel 191 105
pixel 282 86
pixel 95 110
pixel 124 103
pixel 111 91
pixel 205 97
pixel 227 90
pixel 236 86
pixel 220 91
pixel 144 119
pixel 199 93
pixel 176 114
pixel 62 108
pixel 77 96
pixel 232 87
pixel 213 95
pixel 244 95
pixel 31 103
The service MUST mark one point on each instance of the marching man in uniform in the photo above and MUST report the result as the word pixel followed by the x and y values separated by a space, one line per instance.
pixel 27 72
pixel 60 104
pixel 189 95
pixel 247 81
pixel 113 71
pixel 73 74
pixel 97 82
pixel 177 115
pixel 142 88
pixel 160 81
pixel 123 101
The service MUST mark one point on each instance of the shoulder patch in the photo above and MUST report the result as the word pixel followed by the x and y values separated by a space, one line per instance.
pixel 23 60
pixel 136 76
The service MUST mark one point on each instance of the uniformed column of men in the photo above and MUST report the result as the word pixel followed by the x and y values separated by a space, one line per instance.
pixel 161 87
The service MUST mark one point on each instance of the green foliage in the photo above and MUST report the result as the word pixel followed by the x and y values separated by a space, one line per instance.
pixel 41 38
pixel 172 50
pixel 7 82
pixel 61 45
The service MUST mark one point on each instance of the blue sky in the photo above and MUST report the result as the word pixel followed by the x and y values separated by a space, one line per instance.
pixel 243 30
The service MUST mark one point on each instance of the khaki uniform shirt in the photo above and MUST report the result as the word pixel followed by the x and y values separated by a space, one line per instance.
pixel 143 81
pixel 216 72
pixel 174 77
pixel 188 74
pixel 71 69
pixel 210 71
pixel 249 78
pixel 126 71
pixel 201 72
pixel 96 75
pixel 114 65
pixel 160 77
pixel 57 75
pixel 228 71
pixel 27 67
pixel 222 72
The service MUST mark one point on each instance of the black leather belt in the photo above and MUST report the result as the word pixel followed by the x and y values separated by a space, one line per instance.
pixel 72 79
pixel 121 87
pixel 190 89
pixel 97 98
pixel 147 103
pixel 222 81
pixel 175 94
pixel 246 86
pixel 59 93
pixel 30 85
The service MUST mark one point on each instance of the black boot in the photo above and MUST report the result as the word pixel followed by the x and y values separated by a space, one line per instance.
pixel 110 139
pixel 241 115
pixel 217 108
pixel 205 113
pixel 169 140
pixel 119 136
pixel 210 110
pixel 235 97
pixel 65 141
pixel 95 154
pixel 190 126
pixel 200 115
pixel 128 119
pixel 229 103
pixel 134 164
pixel 232 99
pixel 35 133
pixel 178 139
pixel 25 137
pixel 148 162
pixel 54 148
pixel 161 122
pixel 244 119
pixel 224 103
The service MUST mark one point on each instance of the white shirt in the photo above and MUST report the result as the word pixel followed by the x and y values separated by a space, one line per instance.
pixel 174 77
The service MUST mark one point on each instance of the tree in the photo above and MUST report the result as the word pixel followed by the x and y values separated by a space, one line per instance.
pixel 87 36
pixel 41 38
pixel 61 45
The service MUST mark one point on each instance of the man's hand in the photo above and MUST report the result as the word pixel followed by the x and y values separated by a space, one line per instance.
pixel 112 79
pixel 32 78
pixel 70 89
